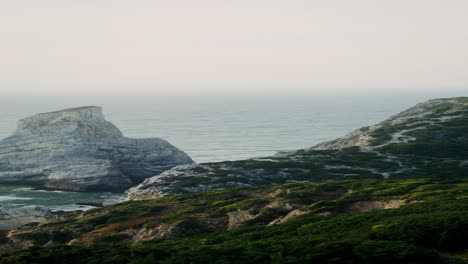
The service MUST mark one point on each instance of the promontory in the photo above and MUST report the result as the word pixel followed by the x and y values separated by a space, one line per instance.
pixel 77 149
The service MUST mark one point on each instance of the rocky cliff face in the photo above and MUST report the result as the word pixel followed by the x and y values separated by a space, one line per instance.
pixel 77 149
pixel 427 140
pixel 16 217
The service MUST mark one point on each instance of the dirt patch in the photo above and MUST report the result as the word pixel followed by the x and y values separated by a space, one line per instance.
pixel 367 206
pixel 290 216
pixel 89 237
pixel 238 217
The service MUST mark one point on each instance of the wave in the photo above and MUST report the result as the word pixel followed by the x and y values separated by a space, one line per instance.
pixel 13 198
pixel 54 191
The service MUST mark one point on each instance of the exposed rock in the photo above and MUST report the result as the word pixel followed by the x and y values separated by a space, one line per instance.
pixel 77 149
pixel 16 217
pixel 279 192
pixel 179 228
pixel 151 187
pixel 324 214
pixel 238 217
pixel 159 232
pixel 366 206
pixel 280 205
pixel 290 216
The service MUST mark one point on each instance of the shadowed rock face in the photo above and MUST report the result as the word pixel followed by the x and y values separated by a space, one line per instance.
pixel 77 149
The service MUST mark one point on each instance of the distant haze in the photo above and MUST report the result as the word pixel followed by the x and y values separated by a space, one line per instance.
pixel 211 46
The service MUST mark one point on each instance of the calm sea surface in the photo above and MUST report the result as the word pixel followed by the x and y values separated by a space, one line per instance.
pixel 213 128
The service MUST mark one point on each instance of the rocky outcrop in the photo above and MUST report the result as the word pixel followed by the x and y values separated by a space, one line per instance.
pixel 151 187
pixel 280 205
pixel 367 206
pixel 236 218
pixel 77 149
pixel 290 216
pixel 16 217
pixel 159 232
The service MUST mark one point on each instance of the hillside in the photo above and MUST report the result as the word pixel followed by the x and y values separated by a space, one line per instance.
pixel 429 139
pixel 349 221
pixel 395 192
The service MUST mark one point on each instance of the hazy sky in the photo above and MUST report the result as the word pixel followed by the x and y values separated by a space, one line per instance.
pixel 209 46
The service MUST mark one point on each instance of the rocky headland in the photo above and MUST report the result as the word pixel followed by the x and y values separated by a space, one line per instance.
pixel 77 149
pixel 422 140
pixel 15 217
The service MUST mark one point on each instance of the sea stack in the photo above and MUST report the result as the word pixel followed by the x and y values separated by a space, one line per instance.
pixel 77 149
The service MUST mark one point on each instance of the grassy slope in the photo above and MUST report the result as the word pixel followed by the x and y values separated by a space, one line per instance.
pixel 433 230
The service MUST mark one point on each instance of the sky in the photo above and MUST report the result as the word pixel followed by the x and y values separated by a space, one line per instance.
pixel 227 46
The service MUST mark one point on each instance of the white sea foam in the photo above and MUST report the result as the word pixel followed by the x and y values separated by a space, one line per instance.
pixel 13 198
pixel 22 189
pixel 54 191
pixel 70 208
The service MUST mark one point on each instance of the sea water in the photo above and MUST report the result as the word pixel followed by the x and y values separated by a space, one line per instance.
pixel 18 196
pixel 209 128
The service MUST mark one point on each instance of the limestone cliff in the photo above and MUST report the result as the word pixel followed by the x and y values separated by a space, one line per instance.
pixel 77 149
pixel 15 217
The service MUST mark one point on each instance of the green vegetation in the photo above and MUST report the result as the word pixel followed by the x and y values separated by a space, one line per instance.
pixel 448 139
pixel 431 227
pixel 383 134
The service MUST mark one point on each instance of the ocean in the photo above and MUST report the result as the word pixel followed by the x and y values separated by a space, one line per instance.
pixel 210 128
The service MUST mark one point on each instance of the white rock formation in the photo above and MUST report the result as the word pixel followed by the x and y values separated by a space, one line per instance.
pixel 77 149
pixel 16 217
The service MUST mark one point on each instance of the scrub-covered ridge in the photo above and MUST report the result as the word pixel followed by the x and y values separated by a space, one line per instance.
pixel 340 221
pixel 429 139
